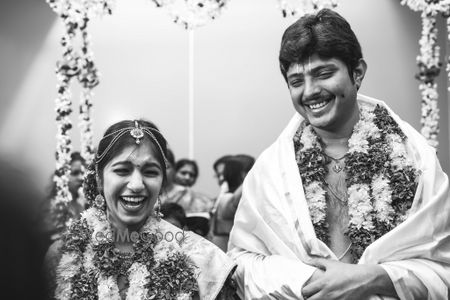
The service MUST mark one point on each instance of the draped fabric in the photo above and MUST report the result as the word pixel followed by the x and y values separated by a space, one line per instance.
pixel 273 237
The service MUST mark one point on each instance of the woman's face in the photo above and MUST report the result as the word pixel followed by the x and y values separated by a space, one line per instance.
pixel 185 175
pixel 132 181
pixel 76 176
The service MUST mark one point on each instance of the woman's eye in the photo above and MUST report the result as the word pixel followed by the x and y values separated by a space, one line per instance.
pixel 121 171
pixel 151 173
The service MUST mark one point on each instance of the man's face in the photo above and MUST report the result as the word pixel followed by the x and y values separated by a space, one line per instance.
pixel 323 92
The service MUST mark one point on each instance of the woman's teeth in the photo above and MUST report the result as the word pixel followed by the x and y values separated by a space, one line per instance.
pixel 133 201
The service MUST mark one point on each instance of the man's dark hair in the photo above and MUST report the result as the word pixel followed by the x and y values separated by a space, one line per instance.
pixel 326 34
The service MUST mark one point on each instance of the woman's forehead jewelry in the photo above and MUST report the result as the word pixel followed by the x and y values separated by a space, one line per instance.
pixel 137 132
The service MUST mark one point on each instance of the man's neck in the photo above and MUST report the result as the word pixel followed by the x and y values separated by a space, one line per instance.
pixel 335 142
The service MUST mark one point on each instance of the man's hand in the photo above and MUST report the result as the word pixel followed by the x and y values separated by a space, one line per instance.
pixel 337 280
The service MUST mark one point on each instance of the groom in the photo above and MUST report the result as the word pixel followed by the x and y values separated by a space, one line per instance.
pixel 350 202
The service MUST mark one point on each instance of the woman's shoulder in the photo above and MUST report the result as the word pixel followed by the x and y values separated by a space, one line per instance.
pixel 213 264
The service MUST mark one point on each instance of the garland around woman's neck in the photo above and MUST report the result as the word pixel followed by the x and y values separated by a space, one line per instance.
pixel 90 264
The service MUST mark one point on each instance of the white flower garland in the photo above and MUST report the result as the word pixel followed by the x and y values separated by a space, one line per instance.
pixel 192 14
pixel 297 8
pixel 73 260
pixel 429 63
pixel 369 203
pixel 75 15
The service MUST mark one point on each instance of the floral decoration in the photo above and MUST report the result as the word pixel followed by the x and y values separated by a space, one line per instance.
pixel 89 267
pixel 381 178
pixel 429 63
pixel 192 14
pixel 75 64
pixel 297 8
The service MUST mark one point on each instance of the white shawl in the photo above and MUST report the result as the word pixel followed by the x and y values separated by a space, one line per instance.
pixel 273 237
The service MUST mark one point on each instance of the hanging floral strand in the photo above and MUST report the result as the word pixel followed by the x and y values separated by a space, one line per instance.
pixel 88 78
pixel 429 64
pixel 192 14
pixel 297 8
pixel 75 15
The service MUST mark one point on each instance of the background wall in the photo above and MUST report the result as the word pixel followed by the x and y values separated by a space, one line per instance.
pixel 242 102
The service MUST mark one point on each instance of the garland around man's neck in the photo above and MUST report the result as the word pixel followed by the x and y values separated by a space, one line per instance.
pixel 381 179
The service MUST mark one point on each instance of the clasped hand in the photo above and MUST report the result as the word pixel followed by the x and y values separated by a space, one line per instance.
pixel 337 280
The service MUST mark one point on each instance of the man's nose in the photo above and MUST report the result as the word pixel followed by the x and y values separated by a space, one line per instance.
pixel 311 89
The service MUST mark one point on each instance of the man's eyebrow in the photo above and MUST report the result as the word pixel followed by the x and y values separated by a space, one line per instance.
pixel 321 67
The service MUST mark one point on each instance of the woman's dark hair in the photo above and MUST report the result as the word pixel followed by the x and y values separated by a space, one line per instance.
pixel 233 173
pixel 184 161
pixel 246 160
pixel 113 148
pixel 326 34
pixel 175 211
pixel 170 157
pixel 221 160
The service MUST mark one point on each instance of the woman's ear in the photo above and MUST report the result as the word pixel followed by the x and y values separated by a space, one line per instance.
pixel 99 184
pixel 359 72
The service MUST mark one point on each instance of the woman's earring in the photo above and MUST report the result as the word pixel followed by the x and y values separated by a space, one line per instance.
pixel 99 202
pixel 158 213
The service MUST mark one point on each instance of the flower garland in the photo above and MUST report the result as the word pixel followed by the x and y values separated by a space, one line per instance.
pixel 381 179
pixel 192 14
pixel 89 266
pixel 75 15
pixel 88 78
pixel 429 64
pixel 297 8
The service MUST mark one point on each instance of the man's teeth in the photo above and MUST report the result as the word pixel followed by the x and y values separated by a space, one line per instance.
pixel 318 105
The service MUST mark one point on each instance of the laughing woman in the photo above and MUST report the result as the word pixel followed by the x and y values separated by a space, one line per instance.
pixel 120 248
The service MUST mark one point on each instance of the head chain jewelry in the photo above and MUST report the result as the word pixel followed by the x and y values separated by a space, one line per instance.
pixel 136 132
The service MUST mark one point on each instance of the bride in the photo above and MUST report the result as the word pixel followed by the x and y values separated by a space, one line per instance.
pixel 120 248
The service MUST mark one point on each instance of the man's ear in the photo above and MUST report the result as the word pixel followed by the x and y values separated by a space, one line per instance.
pixel 359 72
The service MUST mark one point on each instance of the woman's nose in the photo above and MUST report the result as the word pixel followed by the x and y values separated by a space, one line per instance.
pixel 136 182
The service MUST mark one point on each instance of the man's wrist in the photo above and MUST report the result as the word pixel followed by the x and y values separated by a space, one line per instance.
pixel 379 282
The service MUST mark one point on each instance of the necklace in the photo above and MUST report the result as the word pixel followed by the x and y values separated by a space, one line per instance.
pixel 338 165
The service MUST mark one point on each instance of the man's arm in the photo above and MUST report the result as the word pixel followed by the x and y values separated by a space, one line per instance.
pixel 337 280
pixel 269 277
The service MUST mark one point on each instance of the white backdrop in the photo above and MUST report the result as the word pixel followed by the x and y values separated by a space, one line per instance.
pixel 241 99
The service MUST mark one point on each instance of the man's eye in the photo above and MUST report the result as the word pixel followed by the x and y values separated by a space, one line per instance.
pixel 325 75
pixel 296 83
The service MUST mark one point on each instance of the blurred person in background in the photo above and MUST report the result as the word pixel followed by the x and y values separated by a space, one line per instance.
pixel 186 197
pixel 51 229
pixel 234 171
pixel 186 172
